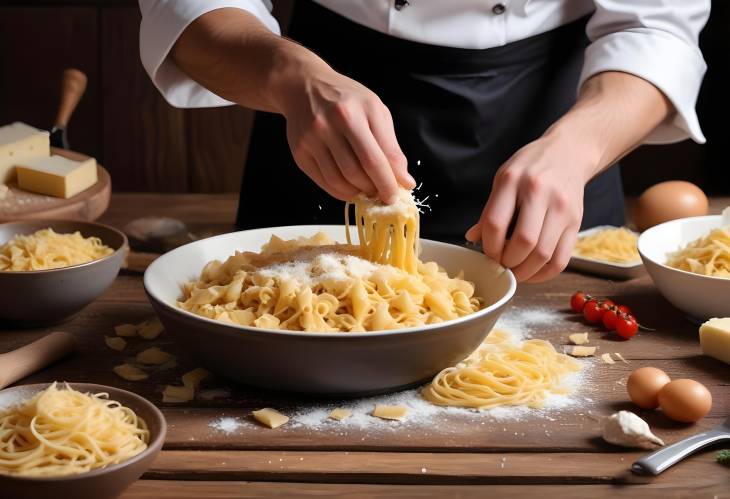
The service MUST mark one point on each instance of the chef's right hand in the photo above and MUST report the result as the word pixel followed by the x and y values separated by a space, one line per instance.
pixel 340 133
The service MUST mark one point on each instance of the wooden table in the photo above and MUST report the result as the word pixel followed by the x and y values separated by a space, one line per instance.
pixel 554 455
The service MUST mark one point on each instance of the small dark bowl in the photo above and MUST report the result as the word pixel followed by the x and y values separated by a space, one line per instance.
pixel 102 483
pixel 43 297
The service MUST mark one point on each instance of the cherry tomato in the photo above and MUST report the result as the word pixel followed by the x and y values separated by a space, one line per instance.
pixel 592 311
pixel 626 326
pixel 624 309
pixel 610 318
pixel 578 301
pixel 607 302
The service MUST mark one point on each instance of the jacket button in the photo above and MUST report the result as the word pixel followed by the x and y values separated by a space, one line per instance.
pixel 499 8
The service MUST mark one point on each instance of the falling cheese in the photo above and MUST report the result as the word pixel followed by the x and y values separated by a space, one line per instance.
pixel 578 338
pixel 396 412
pixel 153 356
pixel 18 143
pixel 580 351
pixel 115 343
pixel 126 330
pixel 194 377
pixel 178 394
pixel 270 417
pixel 606 357
pixel 340 413
pixel 150 329
pixel 56 176
pixel 715 338
pixel 130 372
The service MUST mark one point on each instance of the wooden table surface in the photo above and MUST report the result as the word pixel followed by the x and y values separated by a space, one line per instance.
pixel 552 454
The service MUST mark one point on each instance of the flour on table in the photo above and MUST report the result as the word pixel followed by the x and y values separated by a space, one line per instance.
pixel 226 424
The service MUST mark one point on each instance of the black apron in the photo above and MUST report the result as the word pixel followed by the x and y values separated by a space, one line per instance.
pixel 458 114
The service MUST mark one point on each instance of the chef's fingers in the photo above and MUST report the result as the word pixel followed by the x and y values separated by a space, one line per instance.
pixel 525 237
pixel 347 162
pixel 308 165
pixel 560 258
pixel 371 156
pixel 384 132
pixel 543 249
pixel 329 176
pixel 497 215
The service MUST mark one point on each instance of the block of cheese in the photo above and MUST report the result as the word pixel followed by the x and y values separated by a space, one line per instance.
pixel 715 338
pixel 20 142
pixel 56 175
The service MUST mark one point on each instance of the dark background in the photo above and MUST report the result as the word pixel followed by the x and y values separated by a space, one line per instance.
pixel 148 145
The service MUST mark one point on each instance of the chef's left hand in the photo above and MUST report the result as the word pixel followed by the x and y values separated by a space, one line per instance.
pixel 542 184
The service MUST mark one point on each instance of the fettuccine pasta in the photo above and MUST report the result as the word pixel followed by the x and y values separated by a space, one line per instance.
pixel 47 249
pixel 618 245
pixel 501 372
pixel 708 255
pixel 312 284
pixel 62 431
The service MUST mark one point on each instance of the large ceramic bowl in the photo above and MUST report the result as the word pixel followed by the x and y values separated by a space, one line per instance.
pixel 699 296
pixel 102 483
pixel 44 297
pixel 324 363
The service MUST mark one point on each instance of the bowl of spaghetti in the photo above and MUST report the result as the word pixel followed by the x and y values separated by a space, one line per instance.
pixel 78 439
pixel 330 309
pixel 689 261
pixel 50 270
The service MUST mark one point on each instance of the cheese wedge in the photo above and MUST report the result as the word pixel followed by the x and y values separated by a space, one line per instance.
pixel 715 338
pixel 56 176
pixel 20 142
pixel 396 412
pixel 270 417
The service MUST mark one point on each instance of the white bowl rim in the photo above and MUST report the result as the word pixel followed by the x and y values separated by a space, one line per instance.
pixel 322 334
pixel 702 218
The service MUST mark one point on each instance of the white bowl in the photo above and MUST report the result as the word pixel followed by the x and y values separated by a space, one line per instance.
pixel 326 363
pixel 702 297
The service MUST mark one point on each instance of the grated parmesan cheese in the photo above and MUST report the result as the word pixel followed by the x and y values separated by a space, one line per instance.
pixel 320 268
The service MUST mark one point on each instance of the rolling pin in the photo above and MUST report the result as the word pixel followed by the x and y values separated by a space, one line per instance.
pixel 35 356
pixel 73 86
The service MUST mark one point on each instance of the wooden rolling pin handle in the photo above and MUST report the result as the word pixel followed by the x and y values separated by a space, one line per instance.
pixel 73 86
pixel 26 360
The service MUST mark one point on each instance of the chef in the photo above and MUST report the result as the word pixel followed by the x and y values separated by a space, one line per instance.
pixel 505 115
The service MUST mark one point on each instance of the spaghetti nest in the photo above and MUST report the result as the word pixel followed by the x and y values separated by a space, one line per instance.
pixel 500 373
pixel 47 249
pixel 64 431
pixel 617 245
pixel 709 255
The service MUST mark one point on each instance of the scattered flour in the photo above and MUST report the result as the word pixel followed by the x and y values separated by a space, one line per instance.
pixel 12 397
pixel 521 322
pixel 226 424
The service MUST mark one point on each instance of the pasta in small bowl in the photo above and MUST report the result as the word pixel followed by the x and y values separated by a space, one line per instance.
pixel 50 270
pixel 689 261
pixel 299 309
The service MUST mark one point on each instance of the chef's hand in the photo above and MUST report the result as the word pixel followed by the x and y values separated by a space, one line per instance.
pixel 542 184
pixel 341 134
pixel 546 194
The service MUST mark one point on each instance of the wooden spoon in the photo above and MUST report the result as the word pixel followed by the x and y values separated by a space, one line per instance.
pixel 35 356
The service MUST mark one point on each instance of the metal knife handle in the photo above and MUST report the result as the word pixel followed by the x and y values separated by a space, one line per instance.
pixel 660 460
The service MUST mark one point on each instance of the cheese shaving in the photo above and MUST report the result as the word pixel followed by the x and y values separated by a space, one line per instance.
pixel 130 372
pixel 153 356
pixel 150 329
pixel 606 357
pixel 126 330
pixel 581 351
pixel 270 417
pixel 578 338
pixel 340 413
pixel 115 343
pixel 396 412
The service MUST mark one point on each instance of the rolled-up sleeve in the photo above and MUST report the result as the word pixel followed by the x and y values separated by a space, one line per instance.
pixel 656 40
pixel 163 21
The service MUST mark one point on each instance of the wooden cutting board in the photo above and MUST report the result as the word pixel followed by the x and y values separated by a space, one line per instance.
pixel 87 205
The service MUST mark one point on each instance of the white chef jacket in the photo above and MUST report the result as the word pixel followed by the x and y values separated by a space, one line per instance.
pixel 656 40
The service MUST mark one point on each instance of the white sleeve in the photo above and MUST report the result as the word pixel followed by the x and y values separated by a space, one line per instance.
pixel 163 21
pixel 656 40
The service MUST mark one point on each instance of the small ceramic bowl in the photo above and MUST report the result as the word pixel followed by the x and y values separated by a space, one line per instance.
pixel 43 297
pixel 700 296
pixel 102 483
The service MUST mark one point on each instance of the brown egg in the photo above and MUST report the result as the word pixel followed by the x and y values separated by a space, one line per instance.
pixel 644 385
pixel 668 201
pixel 685 400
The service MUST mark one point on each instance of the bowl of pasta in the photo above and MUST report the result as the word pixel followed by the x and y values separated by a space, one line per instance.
pixel 76 439
pixel 689 261
pixel 312 309
pixel 50 270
